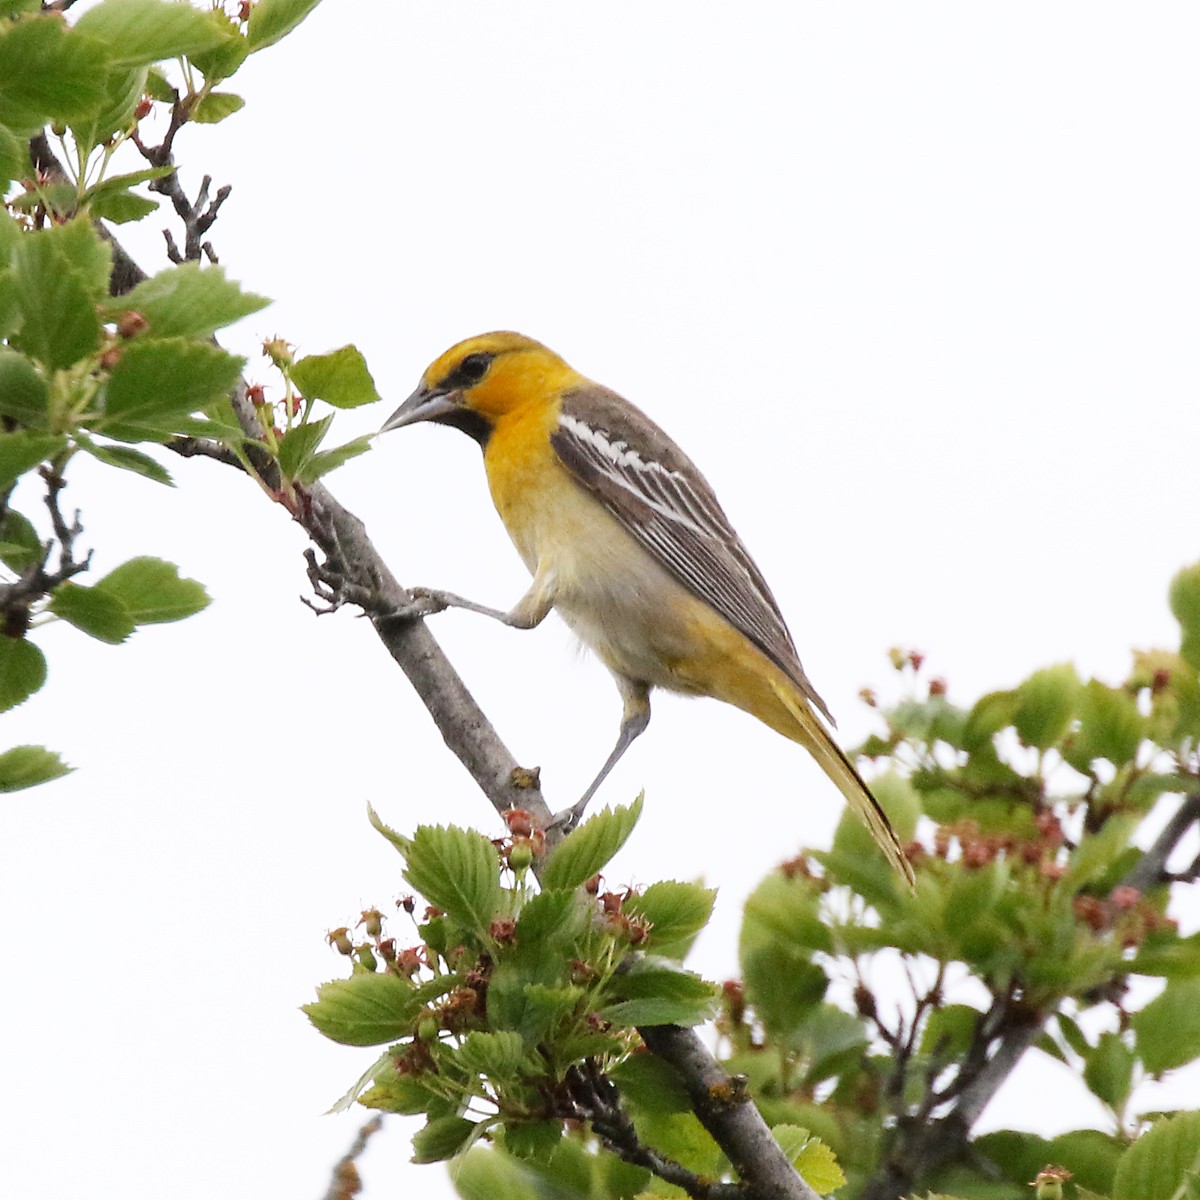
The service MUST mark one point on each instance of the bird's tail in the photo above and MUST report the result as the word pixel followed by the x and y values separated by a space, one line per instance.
pixel 817 740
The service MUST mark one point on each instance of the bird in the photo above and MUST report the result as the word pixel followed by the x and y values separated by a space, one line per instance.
pixel 626 540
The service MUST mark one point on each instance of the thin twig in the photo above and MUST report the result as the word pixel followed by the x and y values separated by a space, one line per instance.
pixel 346 1182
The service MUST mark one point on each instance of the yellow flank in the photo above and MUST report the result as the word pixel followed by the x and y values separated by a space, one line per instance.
pixel 612 588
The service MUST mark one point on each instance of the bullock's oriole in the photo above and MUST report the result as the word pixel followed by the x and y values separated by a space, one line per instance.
pixel 625 538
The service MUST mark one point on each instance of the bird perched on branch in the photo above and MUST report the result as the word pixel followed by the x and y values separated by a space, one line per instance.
pixel 625 539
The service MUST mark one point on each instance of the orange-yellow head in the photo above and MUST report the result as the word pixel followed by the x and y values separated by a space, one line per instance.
pixel 482 380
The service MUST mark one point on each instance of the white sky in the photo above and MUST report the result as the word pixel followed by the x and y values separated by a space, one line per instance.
pixel 915 284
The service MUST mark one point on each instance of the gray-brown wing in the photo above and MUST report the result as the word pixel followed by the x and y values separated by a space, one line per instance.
pixel 634 469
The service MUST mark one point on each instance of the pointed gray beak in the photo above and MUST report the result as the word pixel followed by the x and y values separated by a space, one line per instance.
pixel 422 405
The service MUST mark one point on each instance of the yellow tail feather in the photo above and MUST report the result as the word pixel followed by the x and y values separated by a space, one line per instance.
pixel 816 739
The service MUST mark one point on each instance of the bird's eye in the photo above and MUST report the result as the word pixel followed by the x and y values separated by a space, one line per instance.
pixel 472 369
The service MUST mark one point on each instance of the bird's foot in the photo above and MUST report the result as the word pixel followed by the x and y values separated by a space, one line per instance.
pixel 422 602
pixel 569 818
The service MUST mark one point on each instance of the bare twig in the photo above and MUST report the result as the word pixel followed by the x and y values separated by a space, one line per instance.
pixel 346 1182
pixel 723 1106
pixel 597 1100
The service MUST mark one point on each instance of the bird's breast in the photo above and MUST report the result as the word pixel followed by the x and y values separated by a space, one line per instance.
pixel 618 599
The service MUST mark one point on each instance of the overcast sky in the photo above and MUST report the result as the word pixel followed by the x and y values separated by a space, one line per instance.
pixel 915 285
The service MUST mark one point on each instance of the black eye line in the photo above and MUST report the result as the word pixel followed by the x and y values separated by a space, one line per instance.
pixel 471 370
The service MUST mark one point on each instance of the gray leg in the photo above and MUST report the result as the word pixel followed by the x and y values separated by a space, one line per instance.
pixel 529 611
pixel 634 719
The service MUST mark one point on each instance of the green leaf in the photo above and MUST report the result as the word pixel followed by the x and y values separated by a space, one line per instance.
pixel 60 324
pixel 1162 1161
pixel 1046 703
pixel 1110 727
pixel 498 1055
pixel 22 451
pixel 216 106
pixel 1168 1028
pixel 230 51
pixel 22 671
pixel 443 1138
pixel 1178 958
pixel 14 158
pixel 367 1009
pixel 339 378
pixel 950 1031
pixel 299 444
pixel 1109 1070
pixel 676 912
pixel 10 8
pixel 393 1092
pixel 153 592
pixel 583 853
pixel 988 716
pixel 488 1174
pixel 188 301
pixel 85 254
pixel 49 70
pixel 1184 598
pixel 116 114
pixel 169 376
pixel 20 546
pixel 140 32
pixel 458 870
pixel 127 459
pixel 816 1163
pixel 658 992
pixel 122 207
pixel 27 766
pixel 532 1139
pixel 651 1084
pixel 325 461
pixel 92 611
pixel 271 20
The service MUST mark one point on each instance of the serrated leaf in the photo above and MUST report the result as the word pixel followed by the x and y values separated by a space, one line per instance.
pixel 140 32
pixel 127 459
pixel 1110 726
pixel 299 445
pixel 22 451
pixel 458 870
pixel 49 70
pixel 499 1055
pixel 367 1009
pixel 588 849
pixel 28 766
pixel 83 252
pixel 339 378
pixel 153 592
pixel 23 392
pixel 488 1175
pixel 1108 1071
pixel 20 545
pixel 188 301
pixel 59 325
pixel 987 717
pixel 651 1084
pixel 443 1138
pixel 657 992
pixel 1046 702
pixel 1168 1028
pixel 22 671
pixel 122 207
pixel 1184 597
pixel 325 461
pixel 1159 1164
pixel 14 158
pixel 116 114
pixel 815 1161
pixel 532 1140
pixel 92 611
pixel 216 106
pixel 158 377
pixel 229 53
pixel 676 912
pixel 272 20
